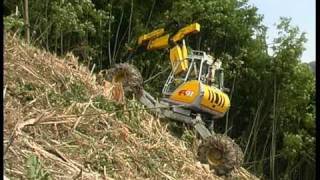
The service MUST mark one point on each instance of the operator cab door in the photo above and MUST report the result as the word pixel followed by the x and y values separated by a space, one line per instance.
pixel 201 68
pixel 193 73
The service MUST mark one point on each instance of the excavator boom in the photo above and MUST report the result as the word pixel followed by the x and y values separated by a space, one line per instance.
pixel 192 28
pixel 157 39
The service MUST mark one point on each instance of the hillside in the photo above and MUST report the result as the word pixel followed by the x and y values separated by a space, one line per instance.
pixel 58 125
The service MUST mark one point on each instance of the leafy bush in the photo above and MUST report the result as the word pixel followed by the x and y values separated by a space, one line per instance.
pixel 13 23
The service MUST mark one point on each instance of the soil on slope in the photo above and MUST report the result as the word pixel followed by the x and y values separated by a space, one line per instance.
pixel 58 125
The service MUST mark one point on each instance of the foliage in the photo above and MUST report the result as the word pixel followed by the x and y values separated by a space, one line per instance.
pixel 75 93
pixel 13 23
pixel 102 103
pixel 35 170
pixel 272 115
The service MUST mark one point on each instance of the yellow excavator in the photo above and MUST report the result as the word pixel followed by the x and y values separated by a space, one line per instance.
pixel 193 93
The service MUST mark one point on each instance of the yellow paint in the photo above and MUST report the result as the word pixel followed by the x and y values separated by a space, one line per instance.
pixel 185 61
pixel 152 35
pixel 159 43
pixel 177 60
pixel 156 39
pixel 187 92
pixel 178 55
pixel 192 28
pixel 215 100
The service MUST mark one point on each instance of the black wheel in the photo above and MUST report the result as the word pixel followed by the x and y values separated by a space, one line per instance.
pixel 129 76
pixel 221 153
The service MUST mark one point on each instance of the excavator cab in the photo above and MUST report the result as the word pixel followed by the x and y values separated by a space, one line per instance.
pixel 202 67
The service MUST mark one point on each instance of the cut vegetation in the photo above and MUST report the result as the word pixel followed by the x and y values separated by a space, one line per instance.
pixel 59 125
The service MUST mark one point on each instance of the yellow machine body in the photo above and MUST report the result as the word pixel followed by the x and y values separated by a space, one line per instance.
pixel 156 39
pixel 178 54
pixel 198 96
pixel 151 35
pixel 178 59
pixel 193 94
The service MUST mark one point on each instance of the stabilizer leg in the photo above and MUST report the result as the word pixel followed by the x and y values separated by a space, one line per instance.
pixel 201 128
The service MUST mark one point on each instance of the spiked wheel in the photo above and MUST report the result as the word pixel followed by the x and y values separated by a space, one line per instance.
pixel 221 153
pixel 129 76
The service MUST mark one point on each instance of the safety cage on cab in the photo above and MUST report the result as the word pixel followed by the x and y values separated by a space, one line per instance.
pixel 201 67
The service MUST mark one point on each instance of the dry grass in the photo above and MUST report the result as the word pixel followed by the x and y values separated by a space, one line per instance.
pixel 58 125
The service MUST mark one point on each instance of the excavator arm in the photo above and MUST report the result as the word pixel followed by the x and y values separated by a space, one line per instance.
pixel 157 39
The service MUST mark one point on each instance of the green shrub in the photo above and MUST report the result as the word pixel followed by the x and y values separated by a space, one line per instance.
pixel 35 170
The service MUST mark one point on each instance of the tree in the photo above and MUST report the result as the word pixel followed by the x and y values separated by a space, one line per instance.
pixel 272 112
pixel 26 20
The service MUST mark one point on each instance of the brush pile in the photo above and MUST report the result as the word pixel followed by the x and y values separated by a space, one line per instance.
pixel 59 125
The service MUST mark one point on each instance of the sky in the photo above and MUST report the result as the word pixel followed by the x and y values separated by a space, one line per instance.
pixel 303 15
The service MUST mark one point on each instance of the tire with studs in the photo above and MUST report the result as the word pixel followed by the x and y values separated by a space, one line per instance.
pixel 129 76
pixel 221 153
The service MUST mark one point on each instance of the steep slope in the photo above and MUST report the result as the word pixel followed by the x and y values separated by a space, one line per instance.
pixel 59 125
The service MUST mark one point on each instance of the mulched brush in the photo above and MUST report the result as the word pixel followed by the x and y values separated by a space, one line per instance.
pixel 60 125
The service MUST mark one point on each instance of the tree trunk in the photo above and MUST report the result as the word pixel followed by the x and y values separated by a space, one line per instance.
pixel 61 42
pixel 47 33
pixel 26 21
pixel 130 19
